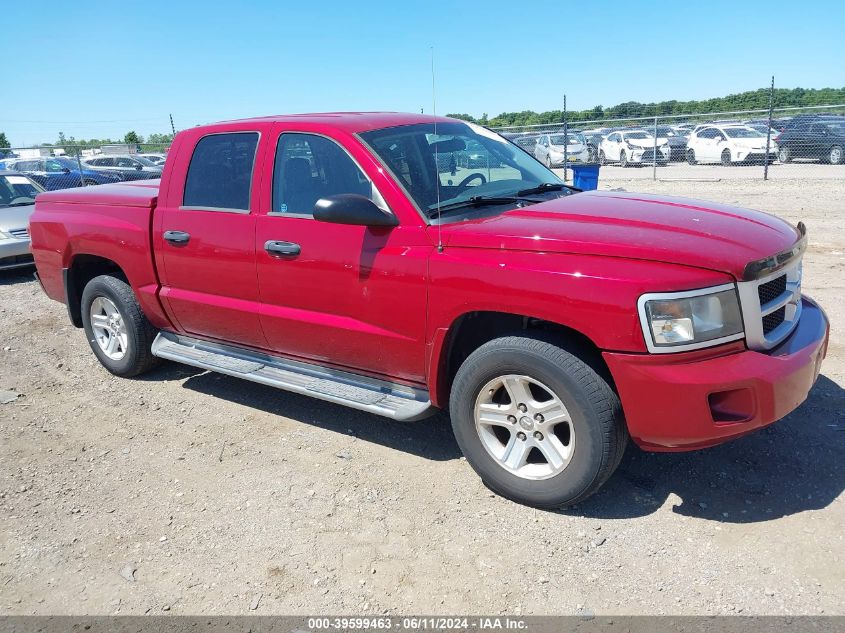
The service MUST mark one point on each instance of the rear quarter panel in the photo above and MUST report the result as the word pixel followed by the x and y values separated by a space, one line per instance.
pixel 62 231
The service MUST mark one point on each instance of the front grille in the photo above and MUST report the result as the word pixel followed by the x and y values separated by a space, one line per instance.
pixel 21 234
pixel 774 319
pixel 771 290
pixel 771 306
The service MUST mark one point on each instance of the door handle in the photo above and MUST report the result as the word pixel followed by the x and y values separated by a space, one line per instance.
pixel 176 237
pixel 286 249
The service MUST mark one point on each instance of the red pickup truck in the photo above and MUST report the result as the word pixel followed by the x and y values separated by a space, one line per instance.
pixel 361 258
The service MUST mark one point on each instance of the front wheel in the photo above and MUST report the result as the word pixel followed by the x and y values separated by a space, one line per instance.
pixel 117 330
pixel 836 156
pixel 537 423
pixel 691 157
pixel 784 155
pixel 602 158
pixel 726 158
pixel 623 159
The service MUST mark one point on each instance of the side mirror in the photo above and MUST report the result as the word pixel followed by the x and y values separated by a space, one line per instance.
pixel 352 208
pixel 139 167
pixel 66 170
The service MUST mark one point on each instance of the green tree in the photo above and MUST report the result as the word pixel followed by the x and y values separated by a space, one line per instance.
pixel 132 138
pixel 4 142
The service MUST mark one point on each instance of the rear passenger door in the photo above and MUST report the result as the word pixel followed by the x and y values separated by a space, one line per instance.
pixel 204 233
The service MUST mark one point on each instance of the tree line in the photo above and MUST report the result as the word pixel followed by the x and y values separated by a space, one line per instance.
pixel 749 100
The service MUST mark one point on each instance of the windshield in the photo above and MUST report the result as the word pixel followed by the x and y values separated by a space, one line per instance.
pixel 637 135
pixel 836 126
pixel 146 162
pixel 742 132
pixel 665 130
pixel 17 190
pixel 442 169
pixel 574 139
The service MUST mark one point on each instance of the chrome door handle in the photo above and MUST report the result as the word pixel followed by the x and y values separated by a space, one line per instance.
pixel 286 249
pixel 176 237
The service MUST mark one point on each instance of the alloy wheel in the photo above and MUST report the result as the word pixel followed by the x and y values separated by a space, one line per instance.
pixel 109 328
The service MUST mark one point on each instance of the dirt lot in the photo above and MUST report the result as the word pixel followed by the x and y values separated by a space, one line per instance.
pixel 188 492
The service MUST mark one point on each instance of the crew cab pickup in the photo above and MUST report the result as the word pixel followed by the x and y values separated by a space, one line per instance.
pixel 343 257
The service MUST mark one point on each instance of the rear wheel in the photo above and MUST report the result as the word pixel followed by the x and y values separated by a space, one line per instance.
pixel 784 155
pixel 623 159
pixel 117 330
pixel 726 158
pixel 538 425
pixel 836 156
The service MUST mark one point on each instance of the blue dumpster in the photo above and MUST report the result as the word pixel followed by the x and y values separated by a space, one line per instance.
pixel 585 176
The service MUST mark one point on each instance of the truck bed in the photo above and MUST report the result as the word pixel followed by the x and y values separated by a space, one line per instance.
pixel 137 193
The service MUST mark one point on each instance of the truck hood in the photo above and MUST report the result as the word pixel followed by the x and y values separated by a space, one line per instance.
pixel 634 226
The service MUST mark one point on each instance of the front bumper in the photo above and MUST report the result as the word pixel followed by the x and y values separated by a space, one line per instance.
pixel 14 253
pixel 685 401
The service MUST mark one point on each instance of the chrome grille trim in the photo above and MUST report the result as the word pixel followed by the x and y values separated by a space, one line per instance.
pixel 21 234
pixel 753 312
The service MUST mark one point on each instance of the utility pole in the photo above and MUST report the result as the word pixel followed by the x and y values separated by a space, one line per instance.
pixel 769 130
pixel 172 127
pixel 565 140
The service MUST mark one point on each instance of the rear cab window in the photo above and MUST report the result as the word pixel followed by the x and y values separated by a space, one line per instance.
pixel 220 173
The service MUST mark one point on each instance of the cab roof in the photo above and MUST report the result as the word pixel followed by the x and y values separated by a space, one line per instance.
pixel 351 122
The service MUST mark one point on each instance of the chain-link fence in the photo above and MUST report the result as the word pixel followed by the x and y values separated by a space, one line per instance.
pixel 804 143
pixel 64 166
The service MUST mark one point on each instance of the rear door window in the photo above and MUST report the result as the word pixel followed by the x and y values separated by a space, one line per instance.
pixel 220 173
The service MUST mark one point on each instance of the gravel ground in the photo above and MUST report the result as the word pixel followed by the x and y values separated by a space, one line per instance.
pixel 190 492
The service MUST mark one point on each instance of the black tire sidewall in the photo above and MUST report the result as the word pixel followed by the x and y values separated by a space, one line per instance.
pixel 105 286
pixel 584 468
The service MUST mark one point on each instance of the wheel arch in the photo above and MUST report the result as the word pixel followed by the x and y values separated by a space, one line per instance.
pixel 81 269
pixel 470 330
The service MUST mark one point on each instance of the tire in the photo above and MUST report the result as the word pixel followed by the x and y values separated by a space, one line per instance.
pixel 132 332
pixel 784 155
pixel 623 159
pixel 726 158
pixel 88 183
pixel 548 163
pixel 691 157
pixel 602 158
pixel 592 421
pixel 836 156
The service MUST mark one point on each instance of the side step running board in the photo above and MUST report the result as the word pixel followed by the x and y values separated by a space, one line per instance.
pixel 358 392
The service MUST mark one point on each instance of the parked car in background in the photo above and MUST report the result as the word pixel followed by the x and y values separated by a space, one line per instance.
pixel 728 144
pixel 526 142
pixel 475 155
pixel 130 167
pixel 549 149
pixel 155 159
pixel 60 172
pixel 819 138
pixel 17 202
pixel 594 139
pixel 633 147
pixel 677 141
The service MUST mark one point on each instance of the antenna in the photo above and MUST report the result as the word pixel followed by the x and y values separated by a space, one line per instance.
pixel 436 158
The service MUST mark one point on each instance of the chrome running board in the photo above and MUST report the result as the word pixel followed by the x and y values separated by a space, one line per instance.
pixel 383 398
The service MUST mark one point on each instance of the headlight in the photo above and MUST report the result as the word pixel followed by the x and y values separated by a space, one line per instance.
pixel 689 320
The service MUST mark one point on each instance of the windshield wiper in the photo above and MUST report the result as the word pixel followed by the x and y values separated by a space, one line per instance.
pixel 543 188
pixel 478 201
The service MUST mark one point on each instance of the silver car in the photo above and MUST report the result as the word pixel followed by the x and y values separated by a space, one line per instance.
pixel 17 202
pixel 549 149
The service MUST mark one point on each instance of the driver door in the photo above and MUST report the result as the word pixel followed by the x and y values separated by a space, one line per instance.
pixel 342 295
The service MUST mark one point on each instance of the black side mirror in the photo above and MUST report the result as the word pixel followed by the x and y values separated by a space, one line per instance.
pixel 139 166
pixel 66 170
pixel 352 208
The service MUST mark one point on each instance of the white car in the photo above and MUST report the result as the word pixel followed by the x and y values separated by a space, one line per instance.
pixel 549 149
pixel 633 147
pixel 728 144
pixel 155 159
